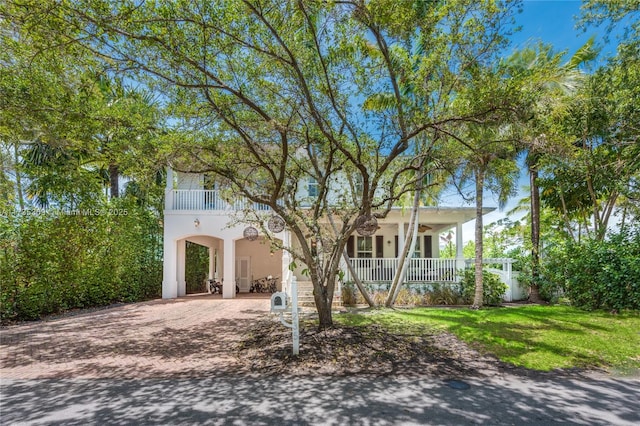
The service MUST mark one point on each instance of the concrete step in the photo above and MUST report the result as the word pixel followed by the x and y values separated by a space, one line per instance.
pixel 306 300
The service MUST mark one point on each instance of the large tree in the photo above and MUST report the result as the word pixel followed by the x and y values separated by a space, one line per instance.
pixel 547 86
pixel 67 125
pixel 271 95
pixel 603 167
pixel 486 148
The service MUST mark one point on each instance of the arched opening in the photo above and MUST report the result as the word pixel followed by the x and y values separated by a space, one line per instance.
pixel 196 270
pixel 236 263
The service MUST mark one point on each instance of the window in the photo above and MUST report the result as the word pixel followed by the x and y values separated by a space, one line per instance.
pixel 365 247
pixel 359 186
pixel 312 187
pixel 417 252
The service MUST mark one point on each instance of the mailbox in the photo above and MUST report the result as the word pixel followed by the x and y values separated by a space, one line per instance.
pixel 278 301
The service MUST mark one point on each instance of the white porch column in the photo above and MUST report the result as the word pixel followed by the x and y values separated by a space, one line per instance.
pixel 400 238
pixel 459 242
pixel 169 270
pixel 229 269
pixel 459 246
pixel 182 258
pixel 219 258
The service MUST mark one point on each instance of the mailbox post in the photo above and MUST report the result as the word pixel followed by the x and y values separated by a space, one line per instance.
pixel 279 305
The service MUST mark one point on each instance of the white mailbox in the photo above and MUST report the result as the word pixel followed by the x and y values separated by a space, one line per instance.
pixel 278 301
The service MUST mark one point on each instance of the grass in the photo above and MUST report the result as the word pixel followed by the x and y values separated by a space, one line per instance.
pixel 535 337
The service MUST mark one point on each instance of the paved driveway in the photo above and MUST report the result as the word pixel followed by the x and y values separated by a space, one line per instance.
pixel 187 337
pixel 163 363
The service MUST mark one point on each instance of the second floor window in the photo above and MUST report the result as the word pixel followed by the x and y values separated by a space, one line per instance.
pixel 312 187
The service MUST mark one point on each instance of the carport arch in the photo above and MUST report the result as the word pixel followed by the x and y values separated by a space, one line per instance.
pixel 174 283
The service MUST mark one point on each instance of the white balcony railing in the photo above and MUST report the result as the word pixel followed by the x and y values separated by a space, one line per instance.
pixel 206 199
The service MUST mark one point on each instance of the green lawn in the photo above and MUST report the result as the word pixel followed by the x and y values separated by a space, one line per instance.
pixel 537 337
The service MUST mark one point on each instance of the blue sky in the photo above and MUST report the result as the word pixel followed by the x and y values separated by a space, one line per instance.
pixel 552 22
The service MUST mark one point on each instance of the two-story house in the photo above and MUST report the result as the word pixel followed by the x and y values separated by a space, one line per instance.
pixel 239 254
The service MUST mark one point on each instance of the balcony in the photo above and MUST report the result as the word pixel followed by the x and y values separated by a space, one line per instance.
pixel 206 200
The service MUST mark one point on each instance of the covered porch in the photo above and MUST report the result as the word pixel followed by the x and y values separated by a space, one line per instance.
pixel 379 272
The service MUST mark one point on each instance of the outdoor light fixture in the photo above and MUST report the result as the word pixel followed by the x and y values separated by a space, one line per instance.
pixel 196 223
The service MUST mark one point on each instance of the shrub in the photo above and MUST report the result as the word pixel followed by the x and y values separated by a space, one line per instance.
pixel 406 297
pixel 492 288
pixel 599 274
pixel 100 254
pixel 196 267
pixel 444 295
pixel 349 296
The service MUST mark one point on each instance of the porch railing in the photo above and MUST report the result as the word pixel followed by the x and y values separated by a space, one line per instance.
pixel 421 270
pixel 206 199
pixel 418 270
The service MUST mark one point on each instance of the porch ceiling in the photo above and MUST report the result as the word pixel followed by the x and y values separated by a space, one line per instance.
pixel 443 216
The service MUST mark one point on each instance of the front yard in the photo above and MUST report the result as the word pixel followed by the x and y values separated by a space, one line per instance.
pixel 452 341
pixel 535 337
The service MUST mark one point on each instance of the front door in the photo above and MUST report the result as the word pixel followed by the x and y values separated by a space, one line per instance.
pixel 243 273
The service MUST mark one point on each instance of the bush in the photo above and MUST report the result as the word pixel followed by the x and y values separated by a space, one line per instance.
pixel 100 254
pixel 349 296
pixel 407 297
pixel 599 274
pixel 492 288
pixel 443 295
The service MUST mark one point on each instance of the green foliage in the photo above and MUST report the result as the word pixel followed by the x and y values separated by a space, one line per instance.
pixel 101 253
pixel 442 295
pixel 196 267
pixel 599 274
pixel 469 250
pixel 349 296
pixel 492 288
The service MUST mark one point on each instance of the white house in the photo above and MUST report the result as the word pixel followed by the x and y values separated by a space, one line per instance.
pixel 199 215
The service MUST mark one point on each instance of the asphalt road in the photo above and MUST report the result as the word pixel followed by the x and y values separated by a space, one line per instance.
pixel 352 400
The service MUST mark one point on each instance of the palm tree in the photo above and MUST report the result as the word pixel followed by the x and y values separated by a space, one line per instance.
pixel 488 161
pixel 551 83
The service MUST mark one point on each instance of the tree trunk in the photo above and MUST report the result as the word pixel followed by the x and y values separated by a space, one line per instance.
pixel 352 271
pixel 356 280
pixel 113 180
pixel 477 299
pixel 16 161
pixel 323 305
pixel 409 241
pixel 534 293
